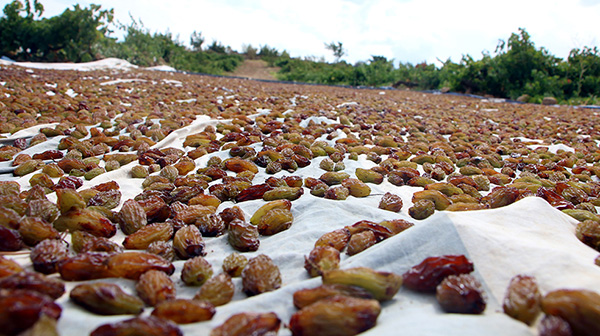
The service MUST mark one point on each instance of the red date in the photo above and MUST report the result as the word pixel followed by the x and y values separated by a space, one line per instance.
pixel 425 276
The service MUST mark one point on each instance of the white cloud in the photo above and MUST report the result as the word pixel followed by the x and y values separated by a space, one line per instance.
pixel 405 30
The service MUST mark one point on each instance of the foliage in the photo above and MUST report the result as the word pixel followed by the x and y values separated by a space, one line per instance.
pixel 337 49
pixel 516 68
pixel 72 36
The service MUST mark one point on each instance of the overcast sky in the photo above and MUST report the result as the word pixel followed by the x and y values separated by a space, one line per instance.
pixel 404 30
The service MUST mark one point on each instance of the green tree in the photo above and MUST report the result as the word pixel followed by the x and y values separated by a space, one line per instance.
pixel 196 41
pixel 337 49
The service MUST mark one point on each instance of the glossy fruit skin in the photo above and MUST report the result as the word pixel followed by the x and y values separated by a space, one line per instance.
pixel 218 290
pixel 105 299
pixel 580 308
pixel 150 326
pixel 461 294
pixel 321 259
pixel 51 287
pixel 46 255
pixel 21 308
pixel 382 285
pixel 247 324
pixel 154 287
pixel 523 299
pixel 425 276
pixel 308 296
pixel 243 236
pixel 260 275
pixel 336 316
pixel 196 271
pixel 183 311
pixel 234 264
pixel 188 242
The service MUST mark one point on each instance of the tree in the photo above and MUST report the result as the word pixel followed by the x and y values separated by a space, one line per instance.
pixel 337 49
pixel 196 40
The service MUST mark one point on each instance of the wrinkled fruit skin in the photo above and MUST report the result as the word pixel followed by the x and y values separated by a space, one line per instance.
pixel 51 287
pixel 182 311
pixel 20 309
pixel 337 315
pixel 248 324
pixel 243 236
pixel 320 259
pixel 382 285
pixel 580 308
pixel 105 299
pixel 308 296
pixel 522 300
pixel 425 276
pixel 460 294
pixel 260 275
pixel 154 287
pixel 150 326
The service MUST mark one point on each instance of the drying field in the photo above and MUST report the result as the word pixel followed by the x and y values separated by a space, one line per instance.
pixel 231 206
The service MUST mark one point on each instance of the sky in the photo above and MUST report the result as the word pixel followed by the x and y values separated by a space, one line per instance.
pixel 403 30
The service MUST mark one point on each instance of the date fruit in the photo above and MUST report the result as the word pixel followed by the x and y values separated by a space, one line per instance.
pixel 248 324
pixel 580 308
pixel 154 287
pixel 147 326
pixel 425 276
pixel 382 285
pixel 105 299
pixel 337 315
pixel 260 275
pixel 461 294
pixel 522 300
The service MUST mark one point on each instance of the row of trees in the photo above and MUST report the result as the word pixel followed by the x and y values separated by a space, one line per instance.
pixel 516 68
pixel 83 34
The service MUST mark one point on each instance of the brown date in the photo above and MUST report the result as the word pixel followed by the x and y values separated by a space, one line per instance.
pixel 147 326
pixel 84 266
pixel 308 296
pixel 580 308
pixel 390 202
pixel 105 299
pixel 196 271
pixel 183 311
pixel 383 285
pixel 248 324
pixel 46 255
pixel 460 294
pixel 234 263
pixel 522 300
pixel 20 309
pixel 218 290
pixel 188 242
pixel 10 240
pixel 338 239
pixel 337 315
pixel 154 287
pixel 8 267
pixel 260 275
pixel 148 234
pixel 131 265
pixel 243 236
pixel 87 220
pixel 320 259
pixel 51 287
pixel 132 217
pixel 425 276
pixel 554 326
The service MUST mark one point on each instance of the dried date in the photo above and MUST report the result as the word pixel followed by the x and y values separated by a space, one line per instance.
pixel 321 259
pixel 382 285
pixel 154 287
pixel 218 290
pixel 248 324
pixel 188 242
pixel 308 296
pixel 183 311
pixel 580 308
pixel 425 276
pixel 105 299
pixel 260 275
pixel 20 309
pixel 243 236
pixel 337 315
pixel 46 255
pixel 522 300
pixel 461 294
pixel 147 326
pixel 196 271
pixel 51 287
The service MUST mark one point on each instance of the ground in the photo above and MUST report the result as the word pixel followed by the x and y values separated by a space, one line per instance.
pixel 257 69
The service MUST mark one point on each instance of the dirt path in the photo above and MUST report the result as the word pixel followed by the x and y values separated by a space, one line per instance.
pixel 257 69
